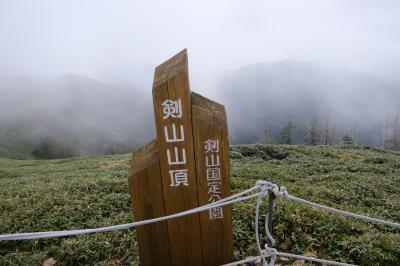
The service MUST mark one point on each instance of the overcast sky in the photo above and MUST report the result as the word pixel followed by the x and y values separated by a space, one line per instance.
pixel 123 40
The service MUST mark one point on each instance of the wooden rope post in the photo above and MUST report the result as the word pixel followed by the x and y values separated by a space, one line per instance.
pixel 185 167
pixel 210 131
pixel 145 188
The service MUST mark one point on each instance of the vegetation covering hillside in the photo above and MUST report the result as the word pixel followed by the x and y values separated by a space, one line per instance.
pixel 92 192
pixel 338 100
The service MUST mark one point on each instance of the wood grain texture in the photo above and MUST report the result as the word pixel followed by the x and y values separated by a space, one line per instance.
pixel 171 82
pixel 155 191
pixel 145 188
pixel 209 122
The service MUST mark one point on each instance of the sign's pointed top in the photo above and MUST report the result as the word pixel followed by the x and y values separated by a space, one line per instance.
pixel 177 63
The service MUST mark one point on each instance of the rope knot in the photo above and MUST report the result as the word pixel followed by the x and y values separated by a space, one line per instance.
pixel 282 192
pixel 261 183
pixel 271 251
pixel 264 187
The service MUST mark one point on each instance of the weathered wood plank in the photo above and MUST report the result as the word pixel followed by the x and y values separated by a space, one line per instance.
pixel 212 166
pixel 145 188
pixel 172 109
pixel 186 166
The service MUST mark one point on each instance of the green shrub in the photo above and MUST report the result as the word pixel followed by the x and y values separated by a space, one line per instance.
pixel 50 148
pixel 265 152
pixel 376 160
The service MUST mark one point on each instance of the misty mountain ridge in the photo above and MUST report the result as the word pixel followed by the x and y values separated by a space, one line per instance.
pixel 265 96
pixel 86 116
pixel 89 116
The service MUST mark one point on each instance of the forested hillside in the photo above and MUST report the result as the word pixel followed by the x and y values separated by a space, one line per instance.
pixel 263 98
pixel 70 116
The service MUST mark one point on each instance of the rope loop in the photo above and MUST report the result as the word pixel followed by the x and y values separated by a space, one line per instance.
pixel 272 251
pixel 281 192
pixel 264 187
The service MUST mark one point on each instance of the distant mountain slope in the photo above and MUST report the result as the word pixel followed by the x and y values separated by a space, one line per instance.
pixel 86 115
pixel 264 96
pixel 79 115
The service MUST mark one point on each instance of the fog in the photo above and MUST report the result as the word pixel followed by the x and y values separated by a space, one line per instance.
pixel 124 40
pixel 83 65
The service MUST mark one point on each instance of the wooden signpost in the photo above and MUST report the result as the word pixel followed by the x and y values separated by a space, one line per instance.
pixel 185 167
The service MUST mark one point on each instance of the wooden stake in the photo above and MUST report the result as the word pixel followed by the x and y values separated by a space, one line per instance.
pixel 210 133
pixel 187 166
pixel 171 100
pixel 145 188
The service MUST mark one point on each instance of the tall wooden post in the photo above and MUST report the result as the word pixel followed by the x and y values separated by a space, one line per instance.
pixel 145 188
pixel 185 167
pixel 210 132
pixel 171 101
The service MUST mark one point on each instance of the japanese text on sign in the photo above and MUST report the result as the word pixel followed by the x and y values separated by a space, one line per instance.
pixel 213 174
pixel 175 156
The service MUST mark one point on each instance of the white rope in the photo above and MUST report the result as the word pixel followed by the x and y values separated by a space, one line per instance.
pixel 259 200
pixel 267 232
pixel 271 252
pixel 262 187
pixel 268 252
pixel 251 259
pixel 283 193
pixel 269 235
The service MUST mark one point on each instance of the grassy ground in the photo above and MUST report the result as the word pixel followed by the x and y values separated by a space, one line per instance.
pixel 92 192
